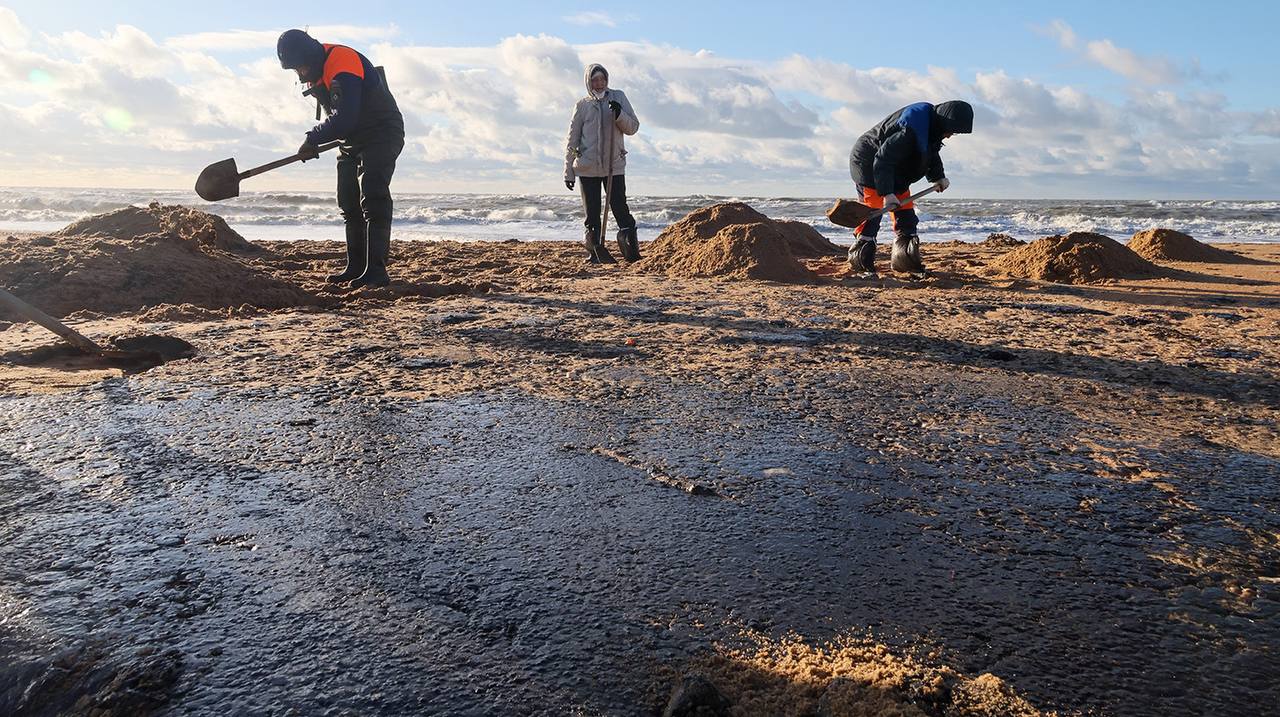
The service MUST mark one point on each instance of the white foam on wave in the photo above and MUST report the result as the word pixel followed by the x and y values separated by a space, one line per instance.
pixel 506 215
pixel 539 217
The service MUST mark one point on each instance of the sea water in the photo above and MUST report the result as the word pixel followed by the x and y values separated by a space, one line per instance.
pixel 529 217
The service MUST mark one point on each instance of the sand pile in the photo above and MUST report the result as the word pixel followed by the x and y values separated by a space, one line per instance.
pixel 849 676
pixel 111 271
pixel 806 242
pixel 732 240
pixel 1002 240
pixel 1076 258
pixel 140 352
pixel 1170 245
pixel 193 225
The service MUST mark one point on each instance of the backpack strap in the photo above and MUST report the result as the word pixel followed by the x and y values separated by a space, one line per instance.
pixel 318 90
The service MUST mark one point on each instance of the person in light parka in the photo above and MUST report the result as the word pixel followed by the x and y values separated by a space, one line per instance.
pixel 595 150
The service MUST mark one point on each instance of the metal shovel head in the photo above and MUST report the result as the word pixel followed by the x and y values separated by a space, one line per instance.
pixel 218 181
pixel 848 213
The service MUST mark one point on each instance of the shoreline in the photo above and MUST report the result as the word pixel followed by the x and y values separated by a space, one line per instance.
pixel 276 215
pixel 266 234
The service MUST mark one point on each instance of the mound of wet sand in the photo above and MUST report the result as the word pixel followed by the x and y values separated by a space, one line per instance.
pixel 190 312
pixel 131 353
pixel 734 241
pixel 100 265
pixel 1002 240
pixel 1169 245
pixel 848 676
pixel 193 225
pixel 1075 258
pixel 806 242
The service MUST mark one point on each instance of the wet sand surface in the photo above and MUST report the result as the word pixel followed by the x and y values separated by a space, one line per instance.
pixel 488 501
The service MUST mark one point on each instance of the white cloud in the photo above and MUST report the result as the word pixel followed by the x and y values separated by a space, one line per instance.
pixel 1266 123
pixel 1143 69
pixel 1062 32
pixel 263 39
pixel 12 32
pixel 591 17
pixel 127 49
pixel 1147 70
pixel 495 116
pixel 228 40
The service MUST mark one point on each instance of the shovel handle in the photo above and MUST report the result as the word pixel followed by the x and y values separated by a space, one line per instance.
pixel 286 161
pixel 608 182
pixel 73 337
pixel 910 199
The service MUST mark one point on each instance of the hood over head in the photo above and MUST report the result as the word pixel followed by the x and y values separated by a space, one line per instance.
pixel 956 116
pixel 296 48
pixel 592 69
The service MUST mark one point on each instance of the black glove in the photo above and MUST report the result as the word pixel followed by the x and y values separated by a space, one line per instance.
pixel 617 108
pixel 308 151
pixel 569 183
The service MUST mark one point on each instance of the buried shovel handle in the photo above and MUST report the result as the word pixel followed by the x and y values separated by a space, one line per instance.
pixel 73 337
pixel 286 161
pixel 910 199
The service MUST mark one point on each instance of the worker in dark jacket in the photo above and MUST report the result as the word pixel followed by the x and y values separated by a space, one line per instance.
pixel 886 160
pixel 359 110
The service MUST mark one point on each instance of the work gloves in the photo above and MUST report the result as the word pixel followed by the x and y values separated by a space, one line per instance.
pixel 892 203
pixel 942 184
pixel 308 151
pixel 569 183
pixel 617 109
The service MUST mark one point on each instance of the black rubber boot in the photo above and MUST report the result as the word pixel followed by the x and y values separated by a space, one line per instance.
pixel 596 253
pixel 629 244
pixel 906 255
pixel 862 257
pixel 375 274
pixel 357 254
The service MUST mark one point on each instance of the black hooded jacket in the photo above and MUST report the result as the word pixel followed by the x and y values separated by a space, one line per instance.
pixel 353 94
pixel 906 145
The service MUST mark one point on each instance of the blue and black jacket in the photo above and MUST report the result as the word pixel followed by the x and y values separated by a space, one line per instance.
pixel 905 146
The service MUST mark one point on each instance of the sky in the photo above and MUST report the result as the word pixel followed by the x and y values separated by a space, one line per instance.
pixel 1091 100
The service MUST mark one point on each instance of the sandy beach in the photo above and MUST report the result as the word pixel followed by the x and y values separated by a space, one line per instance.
pixel 514 483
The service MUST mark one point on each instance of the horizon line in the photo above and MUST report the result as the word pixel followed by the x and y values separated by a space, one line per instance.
pixel 935 197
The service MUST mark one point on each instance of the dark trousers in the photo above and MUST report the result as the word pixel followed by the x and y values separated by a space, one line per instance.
pixel 591 188
pixel 364 182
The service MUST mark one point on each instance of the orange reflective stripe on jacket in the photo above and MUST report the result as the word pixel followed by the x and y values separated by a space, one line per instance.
pixel 341 59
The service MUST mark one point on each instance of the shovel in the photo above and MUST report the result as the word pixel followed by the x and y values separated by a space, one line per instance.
pixel 221 180
pixel 848 213
pixel 608 182
pixel 78 340
pixel 608 186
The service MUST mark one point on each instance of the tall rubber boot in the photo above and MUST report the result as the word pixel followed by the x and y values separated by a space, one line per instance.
pixel 375 274
pixel 629 244
pixel 596 253
pixel 357 254
pixel 906 256
pixel 862 257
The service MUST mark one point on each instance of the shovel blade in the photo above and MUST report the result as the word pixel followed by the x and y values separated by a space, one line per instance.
pixel 218 181
pixel 848 213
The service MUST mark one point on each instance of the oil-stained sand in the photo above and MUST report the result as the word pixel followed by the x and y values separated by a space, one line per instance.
pixel 469 491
